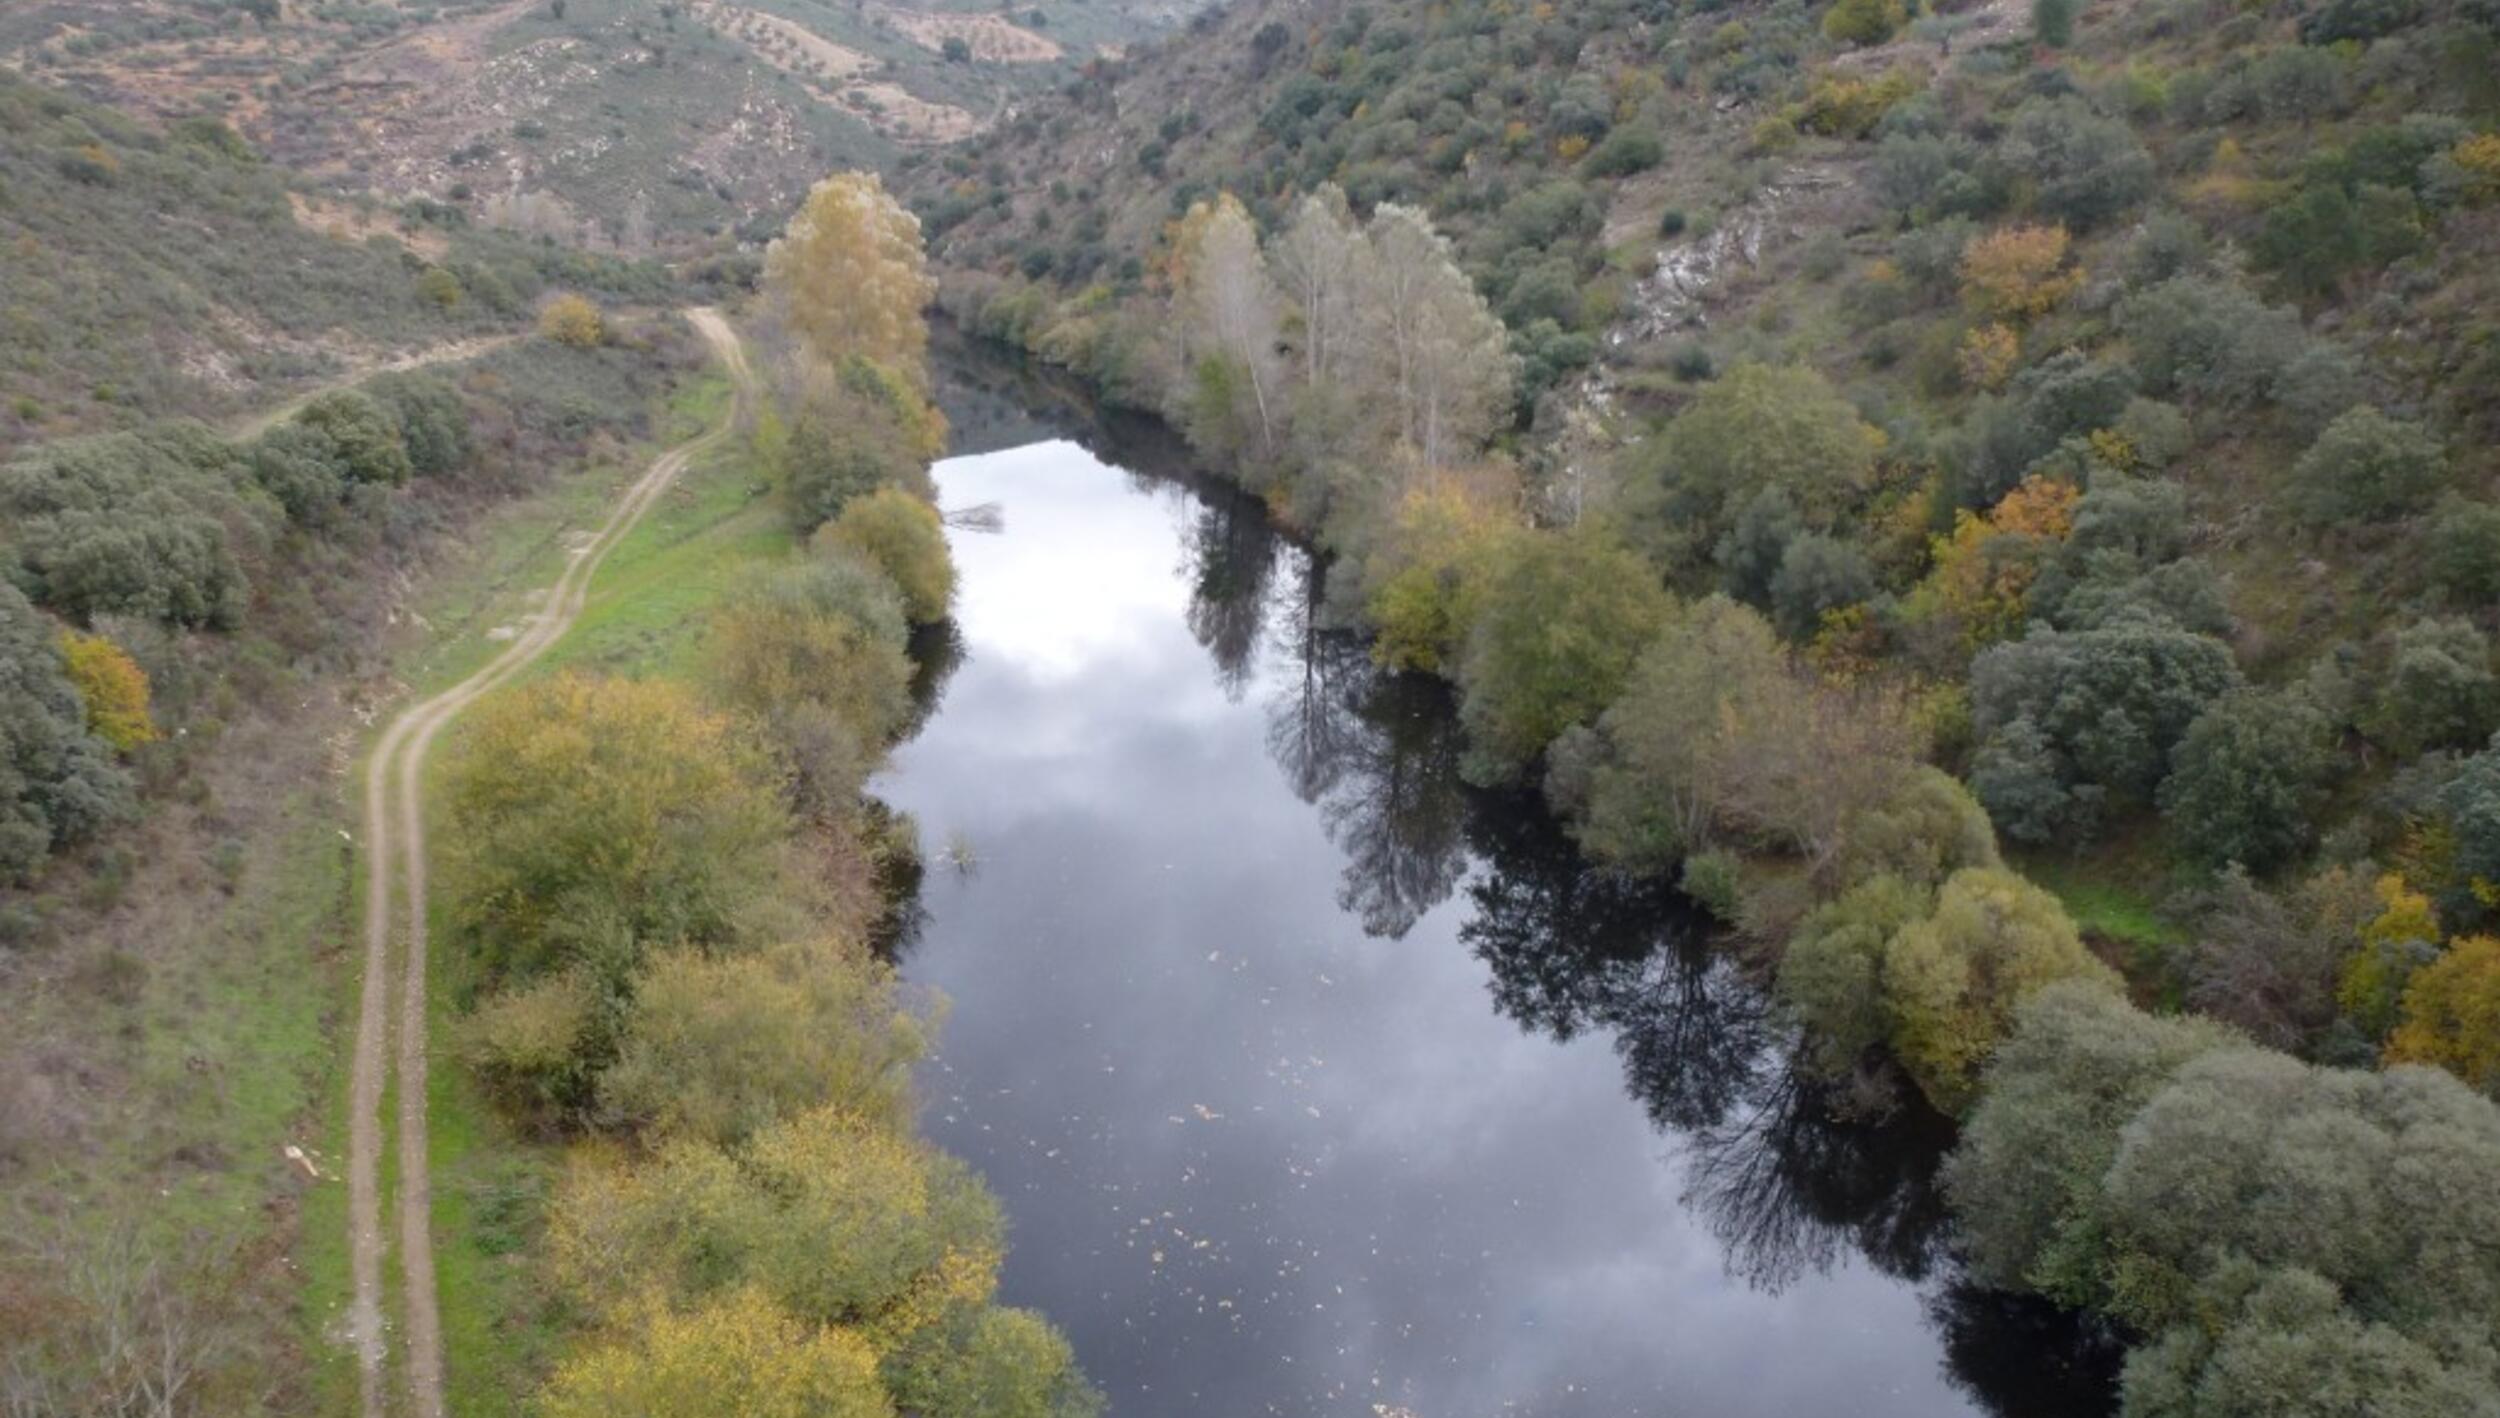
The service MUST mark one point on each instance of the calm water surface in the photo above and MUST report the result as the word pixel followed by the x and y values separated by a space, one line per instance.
pixel 1314 1084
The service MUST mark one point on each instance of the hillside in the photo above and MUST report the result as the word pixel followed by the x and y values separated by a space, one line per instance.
pixel 156 273
pixel 1646 197
pixel 611 124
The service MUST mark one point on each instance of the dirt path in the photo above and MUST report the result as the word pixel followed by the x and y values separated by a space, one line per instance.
pixel 394 803
pixel 449 352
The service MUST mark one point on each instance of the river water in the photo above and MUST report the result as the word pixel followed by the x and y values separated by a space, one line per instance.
pixel 1315 1084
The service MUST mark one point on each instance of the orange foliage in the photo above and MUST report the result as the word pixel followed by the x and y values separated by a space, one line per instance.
pixel 2016 274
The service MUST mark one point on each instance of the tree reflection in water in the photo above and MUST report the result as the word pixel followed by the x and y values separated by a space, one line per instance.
pixel 1790 1188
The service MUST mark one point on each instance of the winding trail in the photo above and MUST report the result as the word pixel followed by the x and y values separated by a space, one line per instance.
pixel 395 835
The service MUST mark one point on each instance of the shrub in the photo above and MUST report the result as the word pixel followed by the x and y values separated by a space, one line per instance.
pixel 900 535
pixel 1625 151
pixel 2053 22
pixel 1864 22
pixel 533 1047
pixel 2367 467
pixel 138 524
pixel 2211 340
pixel 302 468
pixel 572 320
pixel 364 436
pixel 2461 553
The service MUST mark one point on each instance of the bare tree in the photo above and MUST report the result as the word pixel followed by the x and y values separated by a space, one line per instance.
pixel 1445 350
pixel 1236 300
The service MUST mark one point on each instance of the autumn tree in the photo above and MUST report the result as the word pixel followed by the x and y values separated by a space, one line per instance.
pixel 2451 1015
pixel 588 816
pixel 111 686
pixel 740 1354
pixel 1429 578
pixel 847 277
pixel 1952 981
pixel 1324 267
pixel 2019 273
pixel 900 535
pixel 719 1047
pixel 572 320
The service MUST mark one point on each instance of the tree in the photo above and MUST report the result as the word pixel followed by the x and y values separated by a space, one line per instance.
pixel 1445 355
pixel 2019 273
pixel 2079 1063
pixel 847 276
pixel 1564 619
pixel 860 426
pixel 112 687
pixel 1656 794
pixel 572 320
pixel 837 1218
pixel 2439 690
pixel 829 630
pixel 1430 575
pixel 2269 964
pixel 1226 289
pixel 1831 971
pixel 900 535
pixel 2086 169
pixel 1325 268
pixel 737 1354
pixel 2462 552
pixel 1759 427
pixel 992 1362
pixel 590 816
pixel 58 781
pixel 2451 1016
pixel 1818 574
pixel 364 434
pixel 2367 467
pixel 2247 779
pixel 1952 981
pixel 718 1048
pixel 2068 722
pixel 2053 22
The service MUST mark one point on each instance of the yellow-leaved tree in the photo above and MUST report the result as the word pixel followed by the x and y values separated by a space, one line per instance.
pixel 113 688
pixel 848 277
pixel 739 1354
pixel 2452 1014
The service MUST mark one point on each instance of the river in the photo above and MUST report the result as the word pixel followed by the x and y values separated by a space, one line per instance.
pixel 1314 1083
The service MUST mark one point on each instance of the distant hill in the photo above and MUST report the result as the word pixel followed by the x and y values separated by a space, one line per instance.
pixel 627 123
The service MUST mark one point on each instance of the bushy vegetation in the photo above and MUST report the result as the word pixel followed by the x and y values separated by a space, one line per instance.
pixel 668 978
